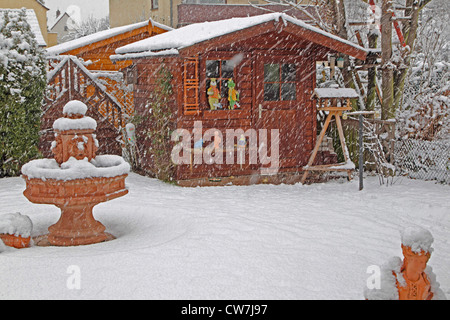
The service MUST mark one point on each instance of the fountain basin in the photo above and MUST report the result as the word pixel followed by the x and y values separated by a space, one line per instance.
pixel 75 188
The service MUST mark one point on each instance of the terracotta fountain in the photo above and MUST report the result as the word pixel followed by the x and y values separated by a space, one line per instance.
pixel 76 180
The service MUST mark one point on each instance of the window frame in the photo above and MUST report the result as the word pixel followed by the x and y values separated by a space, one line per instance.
pixel 284 57
pixel 200 2
pixel 280 82
pixel 221 56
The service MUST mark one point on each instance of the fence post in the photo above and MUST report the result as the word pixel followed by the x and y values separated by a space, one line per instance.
pixel 361 153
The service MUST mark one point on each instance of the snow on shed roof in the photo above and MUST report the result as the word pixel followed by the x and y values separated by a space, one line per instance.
pixel 32 21
pixel 330 93
pixel 195 33
pixel 100 36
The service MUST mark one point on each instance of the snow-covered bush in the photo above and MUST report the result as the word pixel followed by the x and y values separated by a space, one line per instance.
pixel 22 84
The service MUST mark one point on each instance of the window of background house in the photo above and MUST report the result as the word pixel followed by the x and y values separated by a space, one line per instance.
pixel 204 1
pixel 222 71
pixel 154 4
pixel 280 82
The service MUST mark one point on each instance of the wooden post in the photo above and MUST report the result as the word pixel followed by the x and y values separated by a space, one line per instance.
pixel 361 153
pixel 372 75
pixel 386 55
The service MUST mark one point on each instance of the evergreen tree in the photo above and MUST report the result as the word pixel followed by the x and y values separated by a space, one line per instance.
pixel 22 86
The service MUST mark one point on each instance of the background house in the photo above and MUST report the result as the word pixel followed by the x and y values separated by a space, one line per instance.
pixel 40 16
pixel 176 13
pixel 61 26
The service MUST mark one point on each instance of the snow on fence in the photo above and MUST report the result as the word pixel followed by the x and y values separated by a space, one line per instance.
pixel 425 160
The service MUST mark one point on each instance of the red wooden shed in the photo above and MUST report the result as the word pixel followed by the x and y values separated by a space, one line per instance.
pixel 271 59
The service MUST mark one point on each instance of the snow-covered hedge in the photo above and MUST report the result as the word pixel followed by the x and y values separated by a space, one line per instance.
pixel 22 85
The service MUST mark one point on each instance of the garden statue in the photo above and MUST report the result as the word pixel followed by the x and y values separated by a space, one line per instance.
pixel 15 230
pixel 214 95
pixel 198 145
pixel 217 140
pixel 130 130
pixel 418 285
pixel 241 144
pixel 410 279
pixel 233 95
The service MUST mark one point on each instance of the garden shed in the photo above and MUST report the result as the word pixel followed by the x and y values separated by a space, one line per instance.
pixel 241 86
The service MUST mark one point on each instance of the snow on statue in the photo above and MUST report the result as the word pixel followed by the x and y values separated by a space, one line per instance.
pixel 411 279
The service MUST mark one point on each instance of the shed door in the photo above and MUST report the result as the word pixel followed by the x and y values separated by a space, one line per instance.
pixel 280 97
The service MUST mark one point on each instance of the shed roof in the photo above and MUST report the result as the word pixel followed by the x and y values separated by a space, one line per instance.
pixel 176 40
pixel 32 21
pixel 101 36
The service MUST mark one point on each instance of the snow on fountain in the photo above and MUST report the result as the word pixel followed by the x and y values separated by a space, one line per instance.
pixel 75 180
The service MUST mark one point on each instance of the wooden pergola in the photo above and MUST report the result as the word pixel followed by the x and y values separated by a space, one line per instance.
pixel 334 101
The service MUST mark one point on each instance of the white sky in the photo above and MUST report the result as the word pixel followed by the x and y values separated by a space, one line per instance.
pixel 85 8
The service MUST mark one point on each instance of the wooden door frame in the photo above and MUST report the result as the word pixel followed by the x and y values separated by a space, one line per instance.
pixel 260 58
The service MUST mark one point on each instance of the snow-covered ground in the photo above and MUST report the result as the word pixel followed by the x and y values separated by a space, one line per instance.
pixel 255 242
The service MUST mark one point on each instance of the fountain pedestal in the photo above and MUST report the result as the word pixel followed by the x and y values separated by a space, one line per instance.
pixel 76 199
pixel 76 180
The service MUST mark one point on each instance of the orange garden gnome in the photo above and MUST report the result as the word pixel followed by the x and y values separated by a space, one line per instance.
pixel 410 279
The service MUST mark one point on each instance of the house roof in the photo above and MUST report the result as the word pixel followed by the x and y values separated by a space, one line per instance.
pixel 58 19
pixel 101 36
pixel 42 4
pixel 32 21
pixel 176 40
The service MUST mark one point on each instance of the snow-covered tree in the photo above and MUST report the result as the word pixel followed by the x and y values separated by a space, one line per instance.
pixel 89 26
pixel 22 85
pixel 425 111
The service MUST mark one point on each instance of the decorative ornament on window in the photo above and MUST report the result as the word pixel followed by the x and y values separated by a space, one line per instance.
pixel 233 95
pixel 214 95
pixel 219 77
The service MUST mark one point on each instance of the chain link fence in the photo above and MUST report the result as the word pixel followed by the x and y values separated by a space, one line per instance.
pixel 424 160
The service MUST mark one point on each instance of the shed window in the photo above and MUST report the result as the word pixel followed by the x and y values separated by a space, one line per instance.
pixel 280 82
pixel 222 70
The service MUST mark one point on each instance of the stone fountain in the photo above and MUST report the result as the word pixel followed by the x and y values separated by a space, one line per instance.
pixel 75 180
